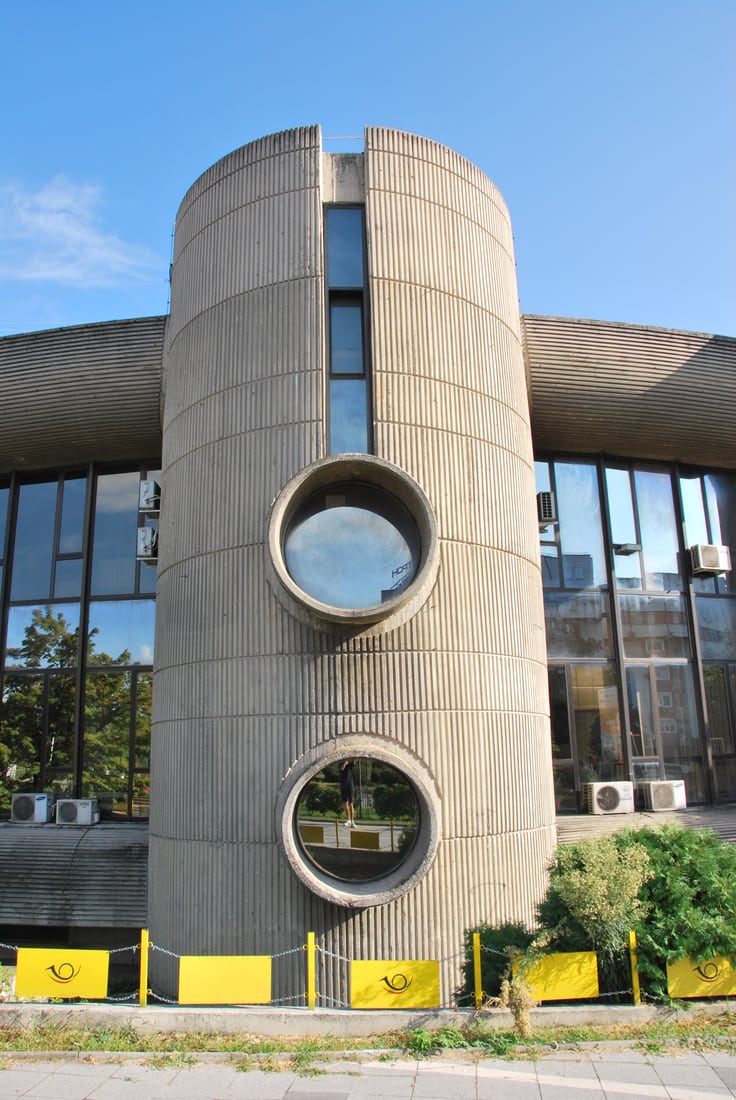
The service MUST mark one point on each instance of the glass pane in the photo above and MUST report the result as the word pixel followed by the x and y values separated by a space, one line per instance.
pixel 724 771
pixel 21 735
pixel 141 804
pixel 578 624
pixel 348 416
pixel 597 723
pixel 641 714
pixel 107 739
pixel 43 637
pixel 385 811
pixel 654 626
pixel 623 528
pixel 72 515
pixel 352 546
pixel 658 530
pixel 344 245
pixel 550 566
pixel 60 734
pixel 693 509
pixel 679 732
pixel 115 538
pixel 34 542
pixel 559 717
pixel 581 534
pixel 346 338
pixel 719 725
pixel 68 577
pixel 721 495
pixel 716 628
pixel 121 632
pixel 144 688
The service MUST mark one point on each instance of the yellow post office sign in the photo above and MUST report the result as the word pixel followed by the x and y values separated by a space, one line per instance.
pixel 395 984
pixel 564 976
pixel 62 972
pixel 715 978
pixel 225 979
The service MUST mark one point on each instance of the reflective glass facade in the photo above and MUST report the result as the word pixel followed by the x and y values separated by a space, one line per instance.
pixel 77 640
pixel 642 652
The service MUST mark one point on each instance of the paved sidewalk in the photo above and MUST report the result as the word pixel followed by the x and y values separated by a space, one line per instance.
pixel 615 1074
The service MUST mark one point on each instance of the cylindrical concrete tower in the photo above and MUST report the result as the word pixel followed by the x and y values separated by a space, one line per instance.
pixel 262 682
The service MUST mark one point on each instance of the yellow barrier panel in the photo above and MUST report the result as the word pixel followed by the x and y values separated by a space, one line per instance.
pixel 395 984
pixel 365 840
pixel 225 979
pixel 565 976
pixel 634 960
pixel 61 972
pixel 714 978
pixel 312 834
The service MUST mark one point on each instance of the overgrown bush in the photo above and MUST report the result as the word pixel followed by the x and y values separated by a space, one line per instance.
pixel 688 904
pixel 675 887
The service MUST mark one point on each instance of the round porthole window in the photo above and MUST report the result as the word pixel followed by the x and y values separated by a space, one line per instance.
pixel 359 829
pixel 352 539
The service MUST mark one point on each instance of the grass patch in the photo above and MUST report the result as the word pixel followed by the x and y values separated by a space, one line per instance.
pixel 692 1032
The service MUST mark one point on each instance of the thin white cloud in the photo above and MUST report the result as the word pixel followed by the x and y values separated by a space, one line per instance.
pixel 55 235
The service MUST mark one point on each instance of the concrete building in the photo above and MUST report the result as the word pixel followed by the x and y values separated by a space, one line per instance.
pixel 399 524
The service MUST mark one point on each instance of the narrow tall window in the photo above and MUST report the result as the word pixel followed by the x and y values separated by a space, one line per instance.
pixel 348 410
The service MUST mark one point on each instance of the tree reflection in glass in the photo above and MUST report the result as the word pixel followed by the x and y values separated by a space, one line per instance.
pixel 386 821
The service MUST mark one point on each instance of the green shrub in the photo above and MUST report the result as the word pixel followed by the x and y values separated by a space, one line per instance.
pixel 497 943
pixel 688 905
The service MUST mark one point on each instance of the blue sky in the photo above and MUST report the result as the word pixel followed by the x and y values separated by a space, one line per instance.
pixel 608 125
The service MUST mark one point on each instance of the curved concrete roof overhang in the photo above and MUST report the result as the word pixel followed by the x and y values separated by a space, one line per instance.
pixel 600 387
pixel 73 395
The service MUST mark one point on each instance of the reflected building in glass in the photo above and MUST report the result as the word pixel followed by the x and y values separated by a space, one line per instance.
pixel 483 556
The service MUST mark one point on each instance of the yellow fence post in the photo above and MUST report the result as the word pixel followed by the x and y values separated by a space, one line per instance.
pixel 311 970
pixel 635 986
pixel 478 981
pixel 143 987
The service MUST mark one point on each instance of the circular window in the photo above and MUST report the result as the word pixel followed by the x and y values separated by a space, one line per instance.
pixel 353 539
pixel 359 825
pixel 357 820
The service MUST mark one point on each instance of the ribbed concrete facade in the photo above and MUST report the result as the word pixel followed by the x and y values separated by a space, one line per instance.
pixel 244 690
pixel 81 394
pixel 600 387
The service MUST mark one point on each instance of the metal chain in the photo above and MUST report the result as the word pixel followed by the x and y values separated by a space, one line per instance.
pixel 127 997
pixel 283 1000
pixel 289 951
pixel 164 951
pixel 160 997
pixel 333 1000
pixel 332 955
pixel 117 950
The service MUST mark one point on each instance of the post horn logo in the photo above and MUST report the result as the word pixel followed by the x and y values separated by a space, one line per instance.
pixel 708 972
pixel 64 973
pixel 396 983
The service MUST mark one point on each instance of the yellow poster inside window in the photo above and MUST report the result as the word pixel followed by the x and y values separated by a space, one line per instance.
pixel 715 978
pixel 564 976
pixel 61 972
pixel 395 984
pixel 225 979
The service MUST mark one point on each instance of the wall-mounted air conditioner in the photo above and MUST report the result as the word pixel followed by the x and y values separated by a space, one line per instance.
pixel 148 545
pixel 663 794
pixel 710 559
pixel 610 798
pixel 546 511
pixel 31 809
pixel 77 811
pixel 149 498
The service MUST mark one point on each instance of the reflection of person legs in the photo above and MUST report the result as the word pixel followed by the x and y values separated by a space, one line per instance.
pixel 349 813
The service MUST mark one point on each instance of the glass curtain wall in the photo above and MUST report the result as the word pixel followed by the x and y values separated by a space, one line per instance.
pixel 77 650
pixel 642 653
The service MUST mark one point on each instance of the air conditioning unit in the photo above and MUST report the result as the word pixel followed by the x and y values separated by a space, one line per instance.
pixel 610 798
pixel 546 511
pixel 148 545
pixel 149 498
pixel 31 809
pixel 710 559
pixel 664 794
pixel 77 811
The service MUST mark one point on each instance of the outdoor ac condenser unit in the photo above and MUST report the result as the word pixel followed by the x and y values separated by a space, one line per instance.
pixel 546 511
pixel 610 798
pixel 149 498
pixel 710 559
pixel 31 809
pixel 664 794
pixel 148 544
pixel 77 811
